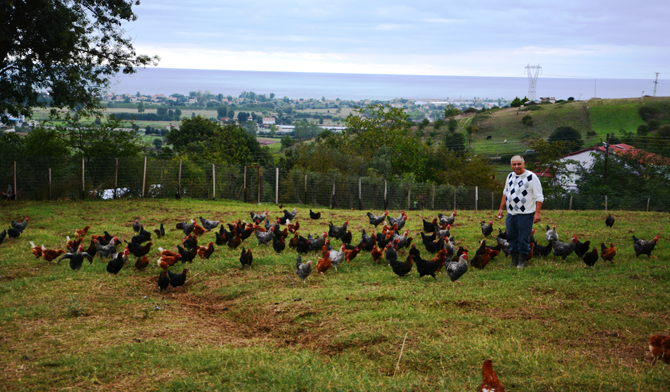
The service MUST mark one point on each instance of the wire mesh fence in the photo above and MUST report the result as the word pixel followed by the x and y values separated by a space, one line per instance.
pixel 46 178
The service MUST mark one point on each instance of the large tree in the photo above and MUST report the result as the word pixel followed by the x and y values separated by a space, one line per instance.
pixel 63 53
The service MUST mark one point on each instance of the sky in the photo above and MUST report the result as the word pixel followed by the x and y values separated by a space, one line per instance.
pixel 575 39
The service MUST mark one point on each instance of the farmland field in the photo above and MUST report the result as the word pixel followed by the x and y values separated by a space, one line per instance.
pixel 554 326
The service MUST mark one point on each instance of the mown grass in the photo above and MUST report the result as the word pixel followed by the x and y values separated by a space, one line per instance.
pixel 553 326
pixel 611 116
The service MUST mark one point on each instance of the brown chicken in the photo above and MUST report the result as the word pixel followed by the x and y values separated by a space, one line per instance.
pixel 608 253
pixel 142 262
pixel 293 242
pixel 659 346
pixel 259 228
pixel 530 254
pixel 235 242
pixel 490 381
pixel 73 245
pixel 293 227
pixel 376 253
pixel 198 230
pixel 168 261
pixel 440 259
pixel 205 252
pixel 51 254
pixel 324 264
pixel 350 254
pixel 167 253
pixel 481 259
pixel 37 250
pixel 81 233
pixel 388 231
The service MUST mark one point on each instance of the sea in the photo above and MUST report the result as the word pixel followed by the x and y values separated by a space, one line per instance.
pixel 297 85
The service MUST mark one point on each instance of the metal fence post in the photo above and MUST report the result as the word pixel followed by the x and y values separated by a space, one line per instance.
pixel 605 202
pixel 245 184
pixel 570 208
pixel 409 192
pixel 385 201
pixel 49 183
pixel 306 202
pixel 332 196
pixel 493 201
pixel 476 196
pixel 648 199
pixel 213 181
pixel 360 195
pixel 116 176
pixel 454 198
pixel 144 176
pixel 15 190
pixel 179 179
pixel 83 184
pixel 276 185
pixel 259 185
pixel 432 202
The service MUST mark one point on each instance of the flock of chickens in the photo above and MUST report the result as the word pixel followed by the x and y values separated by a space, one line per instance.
pixel 436 239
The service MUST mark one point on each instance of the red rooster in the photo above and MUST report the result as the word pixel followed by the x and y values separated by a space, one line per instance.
pixel 490 381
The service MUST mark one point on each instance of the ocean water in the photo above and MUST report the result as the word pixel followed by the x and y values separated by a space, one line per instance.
pixel 296 85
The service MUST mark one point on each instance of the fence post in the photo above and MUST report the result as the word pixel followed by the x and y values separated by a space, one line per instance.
pixel 179 179
pixel 306 201
pixel 49 183
pixel 385 201
pixel 116 175
pixel 476 197
pixel 409 192
pixel 493 207
pixel 15 195
pixel 213 181
pixel 570 208
pixel 332 196
pixel 276 185
pixel 432 202
pixel 144 177
pixel 454 198
pixel 83 184
pixel 605 202
pixel 360 195
pixel 649 198
pixel 259 185
pixel 245 184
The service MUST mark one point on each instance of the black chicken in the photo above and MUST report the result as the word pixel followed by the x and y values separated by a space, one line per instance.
pixel 367 241
pixel 542 251
pixel 590 258
pixel 428 238
pixel 346 238
pixel 20 226
pixel 314 215
pixel 13 233
pixel 430 227
pixel 434 247
pixel 399 268
pixel 609 221
pixel 76 258
pixel 116 263
pixel 487 229
pixel 337 231
pixel 427 267
pixel 178 279
pixel 160 233
pixel 246 257
pixel 163 281
pixel 581 248
pixel 643 247
pixel 278 244
pixel 2 236
pixel 375 220
pixel 186 255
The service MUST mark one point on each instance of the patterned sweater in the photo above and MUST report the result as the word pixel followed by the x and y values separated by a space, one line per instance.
pixel 522 192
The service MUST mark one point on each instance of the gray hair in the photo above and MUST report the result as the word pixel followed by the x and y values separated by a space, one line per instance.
pixel 517 158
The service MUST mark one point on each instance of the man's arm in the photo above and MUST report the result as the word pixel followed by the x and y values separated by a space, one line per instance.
pixel 538 210
pixel 502 206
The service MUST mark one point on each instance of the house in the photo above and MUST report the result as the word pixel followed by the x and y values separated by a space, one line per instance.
pixel 548 99
pixel 586 158
pixel 268 120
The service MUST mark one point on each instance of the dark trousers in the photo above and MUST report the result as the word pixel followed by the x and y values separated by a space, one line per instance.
pixel 518 232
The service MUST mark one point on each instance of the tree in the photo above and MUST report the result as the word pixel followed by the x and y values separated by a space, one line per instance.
pixel 69 50
pixel 222 111
pixel 451 111
pixel 570 135
pixel 158 143
pixel 452 124
pixel 527 120
pixel 242 117
pixel 140 107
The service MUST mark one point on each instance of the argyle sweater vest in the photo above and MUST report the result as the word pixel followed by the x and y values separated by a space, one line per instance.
pixel 522 192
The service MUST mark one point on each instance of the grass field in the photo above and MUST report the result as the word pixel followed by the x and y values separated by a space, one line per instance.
pixel 555 326
pixel 611 116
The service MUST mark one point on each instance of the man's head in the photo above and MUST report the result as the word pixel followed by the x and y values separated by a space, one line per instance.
pixel 518 165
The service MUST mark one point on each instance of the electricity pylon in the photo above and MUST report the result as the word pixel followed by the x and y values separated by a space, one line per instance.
pixel 532 71
pixel 656 83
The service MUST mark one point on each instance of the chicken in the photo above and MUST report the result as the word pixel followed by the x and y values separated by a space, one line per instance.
pixel 20 226
pixel 428 238
pixel 187 228
pixel 198 230
pixel 390 252
pixel 209 225
pixel 314 215
pixel 368 241
pixel 336 257
pixel 582 248
pixel 257 217
pixel 542 251
pixel 429 267
pixel 530 254
pixel 375 220
pixel 456 269
pixel 165 252
pixel 235 242
pixel 278 244
pixel 324 264
pixel 564 250
pixel 139 250
pixel 490 381
pixel 51 254
pixel 315 244
pixel 264 238
pixel 659 346
pixel 222 236
pixel 291 215
pixel 73 245
pixel 303 269
pixel 106 251
pixel 444 232
pixel 609 221
pixel 142 262
pixel 293 227
pixel 397 221
pixel 531 237
pixel 376 253
pixel 447 219
pixel 137 226
pixel 403 240
pixel 337 231
pixel 347 237
pixel 434 247
pixel 168 260
pixel 481 259
pixel 187 255
pixel 117 262
pixel 205 252
pixel 81 233
pixel 177 280
pixel 552 235
pixel 430 227
pixel 190 242
pixel 246 257
pixel 3 234
pixel 607 253
pixel 402 268
pixel 163 281
pixel 139 239
pixel 350 254
pixel 9 195
pixel 643 247
pixel 487 229
pixel 160 233
pixel 37 250
pixel 76 258
pixel 590 258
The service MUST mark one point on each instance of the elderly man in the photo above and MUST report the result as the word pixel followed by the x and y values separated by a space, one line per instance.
pixel 523 199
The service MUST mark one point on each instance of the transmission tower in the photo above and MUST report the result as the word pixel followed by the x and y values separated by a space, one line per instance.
pixel 532 71
pixel 656 83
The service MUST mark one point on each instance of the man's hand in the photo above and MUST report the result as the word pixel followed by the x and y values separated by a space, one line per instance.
pixel 536 217
pixel 500 214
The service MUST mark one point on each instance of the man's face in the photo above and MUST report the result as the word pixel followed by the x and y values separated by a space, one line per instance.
pixel 518 167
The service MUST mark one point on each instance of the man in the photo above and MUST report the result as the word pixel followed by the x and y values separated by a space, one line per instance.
pixel 523 200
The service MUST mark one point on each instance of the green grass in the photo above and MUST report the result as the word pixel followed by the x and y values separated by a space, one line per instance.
pixel 611 116
pixel 553 326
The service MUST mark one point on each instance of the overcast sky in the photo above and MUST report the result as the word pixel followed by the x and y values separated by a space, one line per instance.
pixel 581 39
